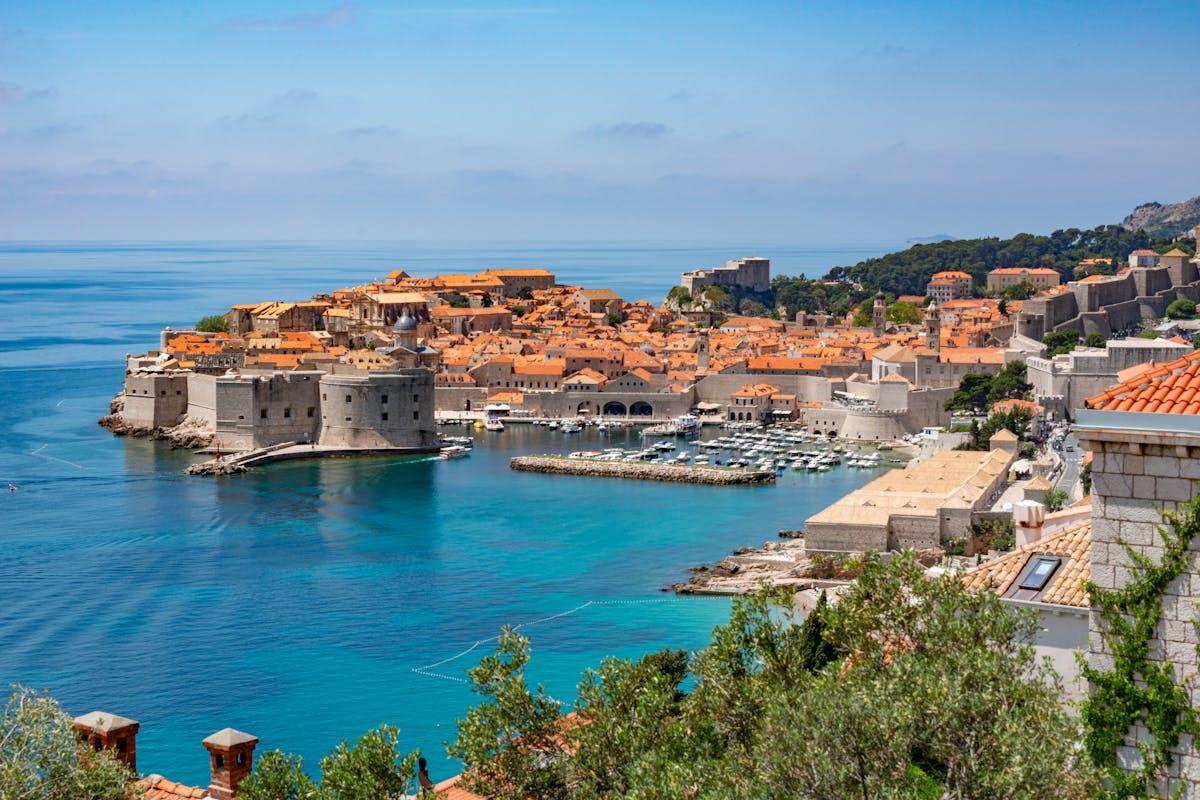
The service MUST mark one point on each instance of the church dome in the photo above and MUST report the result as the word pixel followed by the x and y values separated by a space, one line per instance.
pixel 406 322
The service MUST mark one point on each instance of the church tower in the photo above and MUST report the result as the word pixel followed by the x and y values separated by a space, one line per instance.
pixel 404 332
pixel 933 327
pixel 878 315
pixel 702 349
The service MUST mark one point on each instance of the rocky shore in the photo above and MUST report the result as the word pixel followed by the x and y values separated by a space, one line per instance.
pixel 189 434
pixel 779 563
pixel 215 468
pixel 676 473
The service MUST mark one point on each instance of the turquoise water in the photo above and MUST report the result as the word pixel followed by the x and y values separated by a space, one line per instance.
pixel 296 602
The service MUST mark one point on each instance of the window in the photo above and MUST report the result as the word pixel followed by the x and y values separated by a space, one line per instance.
pixel 347 419
pixel 262 413
pixel 287 413
pixel 383 416
pixel 347 398
pixel 416 398
pixel 324 396
pixel 416 415
pixel 241 416
pixel 220 760
pixel 311 412
pixel 122 746
pixel 164 393
pixel 178 391
pixel 241 759
pixel 383 399
pixel 1037 577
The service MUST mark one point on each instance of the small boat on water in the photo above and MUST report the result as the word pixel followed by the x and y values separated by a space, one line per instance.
pixel 454 451
pixel 571 426
pixel 493 424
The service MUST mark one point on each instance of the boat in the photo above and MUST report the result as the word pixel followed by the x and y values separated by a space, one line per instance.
pixel 884 446
pixel 493 424
pixel 553 425
pixel 454 451
pixel 479 425
pixel 571 427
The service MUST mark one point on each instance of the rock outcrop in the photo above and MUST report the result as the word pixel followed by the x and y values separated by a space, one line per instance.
pixel 215 468
pixel 1164 220
pixel 675 473
pixel 190 434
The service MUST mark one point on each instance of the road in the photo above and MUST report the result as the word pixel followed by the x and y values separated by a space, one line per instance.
pixel 1070 473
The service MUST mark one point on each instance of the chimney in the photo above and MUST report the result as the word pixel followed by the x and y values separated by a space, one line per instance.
pixel 231 758
pixel 1028 518
pixel 104 731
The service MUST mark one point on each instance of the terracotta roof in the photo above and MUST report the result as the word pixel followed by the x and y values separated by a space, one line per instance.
pixel 450 790
pixel 1172 388
pixel 1074 544
pixel 159 788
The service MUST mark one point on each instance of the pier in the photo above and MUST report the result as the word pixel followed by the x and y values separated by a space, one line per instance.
pixel 291 451
pixel 674 473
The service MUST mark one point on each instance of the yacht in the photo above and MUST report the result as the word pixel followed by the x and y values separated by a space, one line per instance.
pixel 493 424
pixel 571 426
pixel 454 451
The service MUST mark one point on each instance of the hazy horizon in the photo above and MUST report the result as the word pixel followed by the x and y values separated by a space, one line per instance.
pixel 565 121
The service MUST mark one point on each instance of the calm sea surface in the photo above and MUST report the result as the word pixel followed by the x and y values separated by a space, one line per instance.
pixel 302 601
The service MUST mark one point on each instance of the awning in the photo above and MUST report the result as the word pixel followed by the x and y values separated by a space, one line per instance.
pixel 708 406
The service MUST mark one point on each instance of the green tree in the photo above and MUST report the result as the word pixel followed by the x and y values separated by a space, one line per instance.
pixel 372 769
pixel 524 293
pixel 1196 342
pixel 717 298
pixel 1002 307
pixel 752 308
pixel 1055 499
pixel 816 651
pixel 904 313
pixel 680 297
pixel 456 300
pixel 972 393
pixel 1094 340
pixel 1149 333
pixel 1059 342
pixel 213 323
pixel 1019 291
pixel 1010 383
pixel 615 319
pixel 40 758
pixel 509 744
pixel 278 776
pixel 1181 309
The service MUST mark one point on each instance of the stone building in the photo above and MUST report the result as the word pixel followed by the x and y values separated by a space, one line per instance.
pixel 753 274
pixel 950 285
pixel 925 506
pixel 1063 382
pixel 1145 437
pixel 1001 278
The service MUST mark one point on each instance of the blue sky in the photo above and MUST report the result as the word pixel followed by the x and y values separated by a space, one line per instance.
pixel 778 122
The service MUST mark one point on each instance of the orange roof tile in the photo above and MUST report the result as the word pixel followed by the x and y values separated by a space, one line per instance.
pixel 1172 388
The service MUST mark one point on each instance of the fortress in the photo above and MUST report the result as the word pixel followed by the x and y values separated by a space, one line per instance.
pixel 1108 304
pixel 752 273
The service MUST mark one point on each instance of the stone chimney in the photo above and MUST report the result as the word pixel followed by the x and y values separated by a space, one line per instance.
pixel 104 731
pixel 1028 518
pixel 231 758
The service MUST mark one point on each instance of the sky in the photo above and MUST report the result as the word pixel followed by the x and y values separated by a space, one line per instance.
pixel 802 122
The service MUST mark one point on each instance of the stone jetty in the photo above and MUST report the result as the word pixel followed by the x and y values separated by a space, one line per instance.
pixel 675 473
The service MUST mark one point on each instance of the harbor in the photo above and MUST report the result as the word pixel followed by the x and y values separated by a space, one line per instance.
pixel 674 473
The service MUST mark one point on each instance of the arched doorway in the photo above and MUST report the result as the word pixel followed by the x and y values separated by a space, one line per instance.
pixel 583 408
pixel 641 409
pixel 615 409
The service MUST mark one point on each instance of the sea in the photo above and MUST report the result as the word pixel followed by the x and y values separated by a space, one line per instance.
pixel 309 602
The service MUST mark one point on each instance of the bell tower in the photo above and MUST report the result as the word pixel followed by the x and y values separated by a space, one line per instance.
pixel 878 315
pixel 933 327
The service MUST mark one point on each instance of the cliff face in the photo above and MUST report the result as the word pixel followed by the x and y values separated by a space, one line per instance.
pixel 1164 220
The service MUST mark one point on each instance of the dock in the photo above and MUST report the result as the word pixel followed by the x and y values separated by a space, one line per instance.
pixel 673 473
pixel 292 451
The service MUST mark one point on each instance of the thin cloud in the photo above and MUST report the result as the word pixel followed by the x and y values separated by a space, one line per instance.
pixel 629 131
pixel 295 97
pixel 680 96
pixel 370 132
pixel 12 93
pixel 335 17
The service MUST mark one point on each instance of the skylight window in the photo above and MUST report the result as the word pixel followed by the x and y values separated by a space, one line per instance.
pixel 1043 569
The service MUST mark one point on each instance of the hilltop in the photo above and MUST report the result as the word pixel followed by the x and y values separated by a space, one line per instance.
pixel 1164 220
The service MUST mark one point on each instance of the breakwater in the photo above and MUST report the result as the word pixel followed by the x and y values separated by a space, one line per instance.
pixel 673 473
